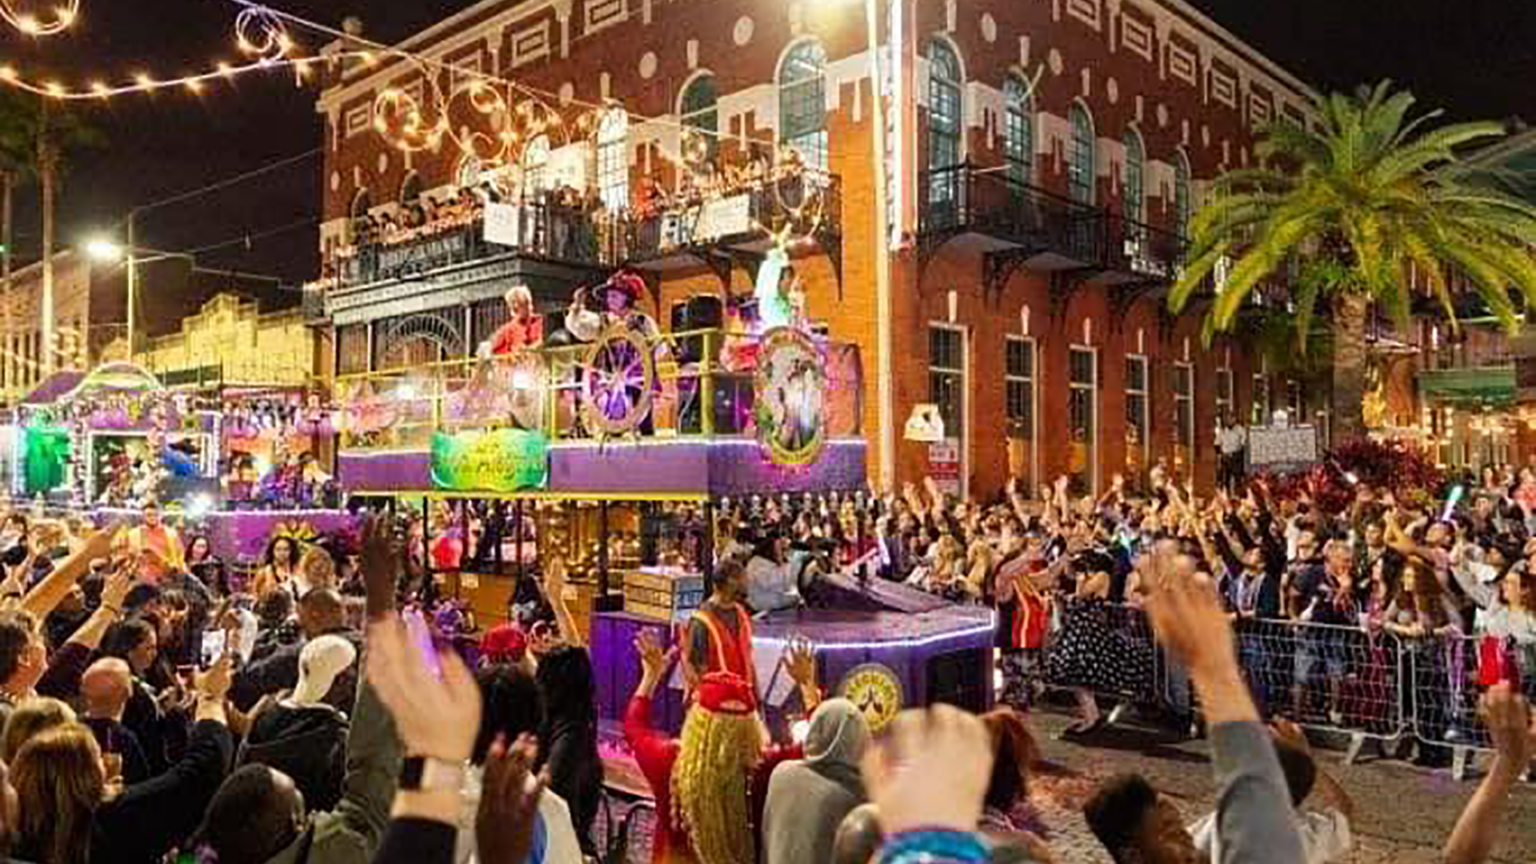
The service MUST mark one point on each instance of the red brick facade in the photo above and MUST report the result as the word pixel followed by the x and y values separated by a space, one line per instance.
pixel 1154 69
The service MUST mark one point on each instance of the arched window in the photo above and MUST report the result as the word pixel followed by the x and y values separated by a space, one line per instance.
pixel 535 166
pixel 613 159
pixel 1080 168
pixel 803 102
pixel 410 189
pixel 1018 129
pixel 698 110
pixel 1183 203
pixel 362 202
pixel 944 106
pixel 1133 187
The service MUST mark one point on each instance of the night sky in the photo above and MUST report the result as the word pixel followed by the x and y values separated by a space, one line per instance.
pixel 1475 58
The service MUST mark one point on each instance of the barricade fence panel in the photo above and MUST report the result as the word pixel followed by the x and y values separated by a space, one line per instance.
pixel 1357 681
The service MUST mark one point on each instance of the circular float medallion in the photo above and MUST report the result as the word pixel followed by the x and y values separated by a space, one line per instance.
pixel 876 691
pixel 791 385
pixel 618 381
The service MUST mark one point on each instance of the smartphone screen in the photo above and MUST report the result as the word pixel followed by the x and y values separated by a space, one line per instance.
pixel 421 636
pixel 213 647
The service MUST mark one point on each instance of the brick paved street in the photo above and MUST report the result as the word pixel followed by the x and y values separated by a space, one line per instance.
pixel 1405 813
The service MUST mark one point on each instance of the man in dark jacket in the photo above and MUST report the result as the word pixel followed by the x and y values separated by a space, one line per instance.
pixel 321 613
pixel 301 735
pixel 104 692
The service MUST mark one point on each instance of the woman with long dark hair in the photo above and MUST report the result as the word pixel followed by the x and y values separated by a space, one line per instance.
pixel 279 567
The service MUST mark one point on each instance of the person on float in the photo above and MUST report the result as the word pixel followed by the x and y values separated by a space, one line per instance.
pixel 711 784
pixel 620 296
pixel 524 328
pixel 719 634
pixel 159 544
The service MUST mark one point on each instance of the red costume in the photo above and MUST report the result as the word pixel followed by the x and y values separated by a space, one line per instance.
pixel 518 334
pixel 656 754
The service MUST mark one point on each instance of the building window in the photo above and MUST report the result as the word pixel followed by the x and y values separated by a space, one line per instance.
pixel 1260 414
pixel 1080 168
pixel 1184 418
pixel 1224 396
pixel 699 112
pixel 1134 184
pixel 1083 419
pixel 803 102
pixel 1183 205
pixel 536 166
pixel 1137 417
pixel 946 377
pixel 1019 383
pixel 1020 380
pixel 1294 404
pixel 1018 130
pixel 613 159
pixel 945 120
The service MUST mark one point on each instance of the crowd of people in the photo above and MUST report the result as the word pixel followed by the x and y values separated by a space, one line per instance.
pixel 1388 618
pixel 154 706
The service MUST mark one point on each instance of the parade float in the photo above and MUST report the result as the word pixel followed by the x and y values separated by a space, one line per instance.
pixel 107 441
pixel 615 454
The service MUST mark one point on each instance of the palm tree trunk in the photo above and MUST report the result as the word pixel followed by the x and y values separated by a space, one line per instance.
pixel 7 367
pixel 1349 313
pixel 46 312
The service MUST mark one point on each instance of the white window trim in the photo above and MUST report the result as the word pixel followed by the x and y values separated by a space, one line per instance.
pixel 1145 392
pixel 1033 379
pixel 1097 422
pixel 965 397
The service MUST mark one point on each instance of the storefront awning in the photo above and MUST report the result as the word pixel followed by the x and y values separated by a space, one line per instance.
pixel 1481 385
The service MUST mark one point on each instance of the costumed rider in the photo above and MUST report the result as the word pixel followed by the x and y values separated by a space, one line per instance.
pixel 524 327
pixel 619 297
pixel 719 640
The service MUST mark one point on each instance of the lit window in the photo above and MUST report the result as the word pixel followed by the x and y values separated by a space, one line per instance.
pixel 803 102
pixel 699 111
pixel 613 159
pixel 536 166
pixel 1080 168
pixel 1019 130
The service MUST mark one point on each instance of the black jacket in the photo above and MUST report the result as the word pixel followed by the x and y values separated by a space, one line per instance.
pixel 307 743
pixel 149 819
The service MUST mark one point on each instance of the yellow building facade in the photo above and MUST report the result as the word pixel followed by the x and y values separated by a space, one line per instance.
pixel 231 342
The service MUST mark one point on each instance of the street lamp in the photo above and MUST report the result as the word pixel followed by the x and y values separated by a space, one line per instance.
pixel 109 251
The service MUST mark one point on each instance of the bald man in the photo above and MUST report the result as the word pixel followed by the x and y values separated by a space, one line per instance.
pixel 321 613
pixel 105 689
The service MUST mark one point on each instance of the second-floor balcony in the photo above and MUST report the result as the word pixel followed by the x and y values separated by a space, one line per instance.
pixel 1040 229
pixel 569 230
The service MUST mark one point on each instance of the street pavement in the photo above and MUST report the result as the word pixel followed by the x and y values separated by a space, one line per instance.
pixel 1404 813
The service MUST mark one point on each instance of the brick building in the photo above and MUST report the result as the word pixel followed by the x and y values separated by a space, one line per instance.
pixel 1042 159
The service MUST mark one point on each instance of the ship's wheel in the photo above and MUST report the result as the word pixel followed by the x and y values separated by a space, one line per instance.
pixel 618 383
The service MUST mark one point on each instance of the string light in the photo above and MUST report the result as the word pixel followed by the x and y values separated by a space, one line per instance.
pixel 64 15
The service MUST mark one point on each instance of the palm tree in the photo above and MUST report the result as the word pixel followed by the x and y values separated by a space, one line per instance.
pixel 1355 203
pixel 43 134
pixel 15 163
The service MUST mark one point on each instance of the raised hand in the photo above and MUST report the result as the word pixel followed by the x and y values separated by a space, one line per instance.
pixel 509 801
pixel 930 771
pixel 380 565
pixel 800 662
pixel 435 717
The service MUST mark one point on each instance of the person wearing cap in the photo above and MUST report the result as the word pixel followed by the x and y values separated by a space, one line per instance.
pixel 300 734
pixel 711 784
pixel 619 298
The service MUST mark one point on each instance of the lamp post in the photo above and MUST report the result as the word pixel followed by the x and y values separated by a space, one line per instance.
pixel 107 251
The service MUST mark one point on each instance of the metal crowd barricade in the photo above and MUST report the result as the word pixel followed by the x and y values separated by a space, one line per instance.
pixel 1449 676
pixel 1327 677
